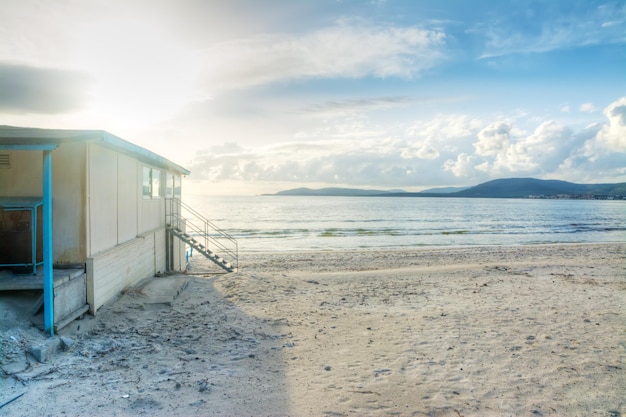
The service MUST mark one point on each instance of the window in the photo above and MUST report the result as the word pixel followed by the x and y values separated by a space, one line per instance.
pixel 147 182
pixel 156 183
pixel 177 182
pixel 151 183
pixel 169 186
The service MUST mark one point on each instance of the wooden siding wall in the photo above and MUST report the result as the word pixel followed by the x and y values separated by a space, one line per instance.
pixel 69 212
pixel 102 196
pixel 127 231
pixel 129 194
pixel 118 210
pixel 111 271
pixel 23 178
pixel 152 214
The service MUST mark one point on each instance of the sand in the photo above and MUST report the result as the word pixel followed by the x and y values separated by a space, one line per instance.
pixel 503 331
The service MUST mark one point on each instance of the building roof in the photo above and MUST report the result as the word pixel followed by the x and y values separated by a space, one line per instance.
pixel 12 137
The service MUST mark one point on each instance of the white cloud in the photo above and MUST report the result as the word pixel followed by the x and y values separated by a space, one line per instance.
pixel 612 137
pixel 587 108
pixel 540 152
pixel 373 162
pixel 425 156
pixel 339 108
pixel 424 150
pixel 445 127
pixel 582 25
pixel 349 51
pixel 596 153
pixel 503 149
pixel 463 166
pixel 494 139
pixel 596 160
pixel 442 134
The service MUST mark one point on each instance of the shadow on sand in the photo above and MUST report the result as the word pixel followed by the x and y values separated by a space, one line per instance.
pixel 195 355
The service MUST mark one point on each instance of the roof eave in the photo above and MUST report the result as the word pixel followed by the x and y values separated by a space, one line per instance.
pixel 27 138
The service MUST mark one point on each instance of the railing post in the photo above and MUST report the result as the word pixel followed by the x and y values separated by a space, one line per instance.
pixel 206 234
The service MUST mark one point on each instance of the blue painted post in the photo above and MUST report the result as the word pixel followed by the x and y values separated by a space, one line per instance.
pixel 48 277
pixel 33 238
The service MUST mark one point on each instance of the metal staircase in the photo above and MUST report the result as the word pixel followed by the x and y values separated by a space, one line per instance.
pixel 202 235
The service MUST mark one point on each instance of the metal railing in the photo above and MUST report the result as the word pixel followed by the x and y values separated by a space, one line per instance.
pixel 181 216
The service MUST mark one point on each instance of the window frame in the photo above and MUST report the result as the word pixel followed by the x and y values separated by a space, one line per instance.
pixel 146 182
pixel 152 184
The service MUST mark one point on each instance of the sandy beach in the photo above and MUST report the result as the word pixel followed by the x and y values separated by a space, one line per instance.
pixel 481 331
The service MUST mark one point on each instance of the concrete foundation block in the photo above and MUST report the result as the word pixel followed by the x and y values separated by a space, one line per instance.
pixel 44 351
pixel 67 342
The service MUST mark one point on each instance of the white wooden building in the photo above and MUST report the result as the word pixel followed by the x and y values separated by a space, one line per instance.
pixel 97 206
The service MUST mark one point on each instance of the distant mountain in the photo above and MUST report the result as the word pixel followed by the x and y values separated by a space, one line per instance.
pixel 335 192
pixel 444 190
pixel 532 187
pixel 502 188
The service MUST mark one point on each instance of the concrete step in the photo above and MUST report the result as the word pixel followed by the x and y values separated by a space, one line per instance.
pixel 163 290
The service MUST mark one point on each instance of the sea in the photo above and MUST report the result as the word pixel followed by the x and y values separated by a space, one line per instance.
pixel 296 223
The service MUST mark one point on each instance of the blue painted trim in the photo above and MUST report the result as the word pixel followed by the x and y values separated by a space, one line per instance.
pixel 40 147
pixel 48 277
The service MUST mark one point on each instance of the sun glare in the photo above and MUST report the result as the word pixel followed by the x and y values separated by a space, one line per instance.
pixel 140 74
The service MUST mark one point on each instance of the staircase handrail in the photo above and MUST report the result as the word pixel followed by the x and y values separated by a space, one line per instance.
pixel 212 235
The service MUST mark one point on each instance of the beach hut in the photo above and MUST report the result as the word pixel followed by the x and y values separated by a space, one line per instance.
pixel 85 214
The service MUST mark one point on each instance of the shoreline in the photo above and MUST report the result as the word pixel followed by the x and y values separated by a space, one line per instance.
pixel 484 330
pixel 423 248
pixel 395 258
pixel 431 247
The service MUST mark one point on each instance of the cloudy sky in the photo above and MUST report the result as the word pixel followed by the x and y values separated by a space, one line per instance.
pixel 256 96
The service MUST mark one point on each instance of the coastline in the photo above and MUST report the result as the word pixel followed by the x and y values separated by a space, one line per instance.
pixel 489 330
pixel 378 259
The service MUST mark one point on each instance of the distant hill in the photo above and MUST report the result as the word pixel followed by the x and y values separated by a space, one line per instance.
pixel 527 187
pixel 444 190
pixel 335 192
pixel 502 188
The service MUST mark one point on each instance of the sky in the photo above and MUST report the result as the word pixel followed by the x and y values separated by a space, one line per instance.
pixel 258 96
